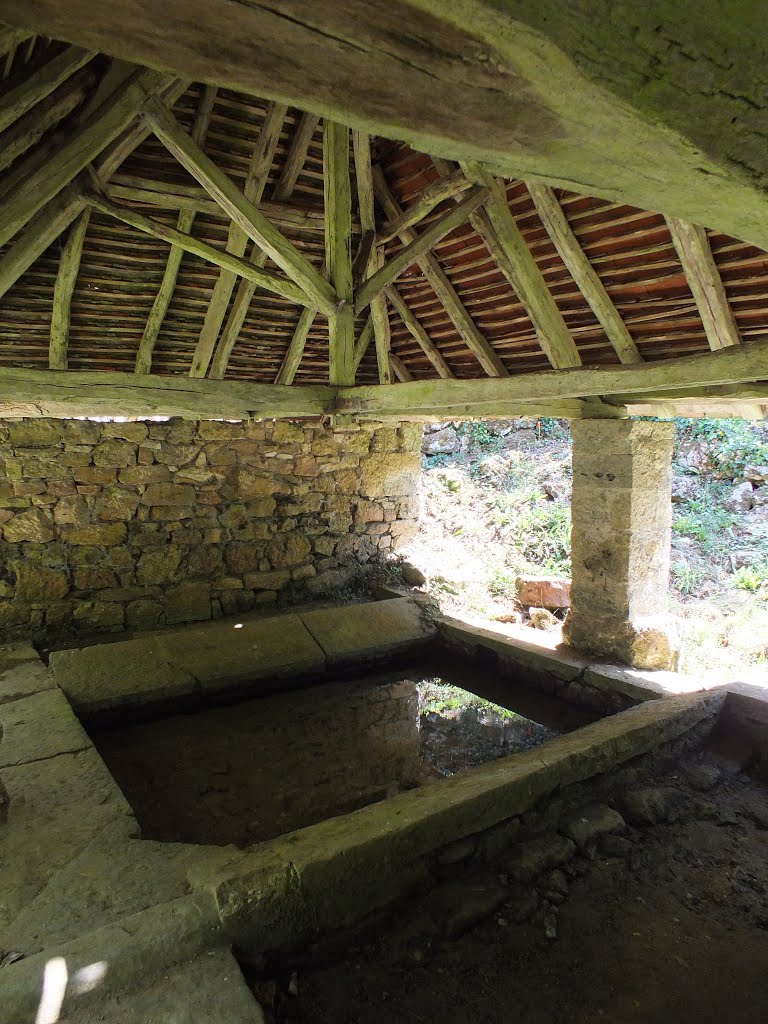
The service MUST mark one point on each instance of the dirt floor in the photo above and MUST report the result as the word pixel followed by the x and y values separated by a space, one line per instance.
pixel 670 923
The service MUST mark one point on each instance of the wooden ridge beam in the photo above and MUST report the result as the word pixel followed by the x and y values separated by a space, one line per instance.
pixel 43 175
pixel 237 241
pixel 417 331
pixel 473 338
pixel 449 398
pixel 221 188
pixel 695 254
pixel 297 156
pixel 69 265
pixel 374 260
pixel 16 102
pixel 420 246
pixel 504 240
pixel 64 394
pixel 591 287
pixel 267 279
pixel 58 214
pixel 338 250
pixel 184 223
pixel 444 188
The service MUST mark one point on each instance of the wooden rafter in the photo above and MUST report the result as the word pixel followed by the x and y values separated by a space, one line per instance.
pixel 43 175
pixel 338 250
pixel 10 37
pixel 28 130
pixel 399 368
pixel 446 293
pixel 237 241
pixel 693 249
pixel 559 230
pixel 362 344
pixel 69 265
pixel 297 156
pixel 184 224
pixel 419 247
pixel 292 358
pixel 41 83
pixel 221 188
pixel 266 279
pixel 504 240
pixel 374 258
pixel 418 332
pixel 451 185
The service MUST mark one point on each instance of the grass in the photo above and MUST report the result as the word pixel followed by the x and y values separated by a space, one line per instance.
pixel 442 698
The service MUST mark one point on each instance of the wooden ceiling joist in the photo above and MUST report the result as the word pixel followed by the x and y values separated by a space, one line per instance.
pixel 69 264
pixel 237 242
pixel 417 331
pixel 693 249
pixel 297 156
pixel 222 189
pixel 16 102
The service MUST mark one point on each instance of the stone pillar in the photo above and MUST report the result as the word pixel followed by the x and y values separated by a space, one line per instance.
pixel 622 517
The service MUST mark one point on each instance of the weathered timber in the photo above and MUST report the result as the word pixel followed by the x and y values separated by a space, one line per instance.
pixel 39 178
pixel 361 144
pixel 41 83
pixel 565 241
pixel 417 331
pixel 399 368
pixel 338 250
pixel 693 409
pixel 475 341
pixel 297 155
pixel 69 265
pixel 10 37
pixel 58 214
pixel 292 359
pixel 717 392
pixel 445 398
pixel 237 241
pixel 454 183
pixel 267 279
pixel 221 188
pixel 72 393
pixel 362 343
pixel 706 285
pixel 506 84
pixel 28 130
pixel 505 242
pixel 363 254
pixel 184 224
pixel 420 245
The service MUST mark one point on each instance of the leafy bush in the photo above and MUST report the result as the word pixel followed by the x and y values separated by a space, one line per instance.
pixel 752 577
pixel 736 443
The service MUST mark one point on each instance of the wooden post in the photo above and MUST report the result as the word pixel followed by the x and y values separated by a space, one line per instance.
pixel 69 265
pixel 338 250
pixel 361 144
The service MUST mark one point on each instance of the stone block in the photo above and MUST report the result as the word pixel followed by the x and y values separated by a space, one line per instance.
pixel 285 432
pixel 35 433
pixel 158 565
pixel 138 475
pixel 370 630
pixel 136 432
pixel 589 823
pixel 39 584
pixel 114 504
pixel 34 527
pixel 177 455
pixel 98 616
pixel 390 475
pixel 102 534
pixel 22 672
pixel 543 591
pixel 71 510
pixel 143 614
pixel 39 726
pixel 169 494
pixel 286 550
pixel 93 578
pixel 114 454
pixel 188 602
pixel 241 557
pixel 267 580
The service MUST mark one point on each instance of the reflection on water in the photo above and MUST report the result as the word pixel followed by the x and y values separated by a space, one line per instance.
pixel 251 771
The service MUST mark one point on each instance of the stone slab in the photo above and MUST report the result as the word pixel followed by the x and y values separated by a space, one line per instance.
pixel 39 726
pixel 373 630
pixel 210 988
pixel 109 675
pixel 57 806
pixel 561 665
pixel 23 678
pixel 638 684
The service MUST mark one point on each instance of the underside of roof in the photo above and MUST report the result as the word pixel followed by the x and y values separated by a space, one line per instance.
pixel 110 241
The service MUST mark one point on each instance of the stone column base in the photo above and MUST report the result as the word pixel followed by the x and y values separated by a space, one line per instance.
pixel 648 643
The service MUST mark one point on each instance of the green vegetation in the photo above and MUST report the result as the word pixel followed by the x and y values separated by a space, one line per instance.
pixel 734 444
pixel 705 517
pixel 441 698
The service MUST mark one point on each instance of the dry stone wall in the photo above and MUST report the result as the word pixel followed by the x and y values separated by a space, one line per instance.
pixel 112 526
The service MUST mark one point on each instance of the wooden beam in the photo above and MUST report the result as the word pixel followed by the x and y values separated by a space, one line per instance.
pixel 504 240
pixel 420 245
pixel 418 332
pixel 292 359
pixel 399 368
pixel 297 155
pixel 69 265
pixel 732 393
pixel 10 37
pixel 28 130
pixel 234 203
pixel 338 250
pixel 447 399
pixel 451 185
pixel 40 177
pixel 362 343
pixel 567 244
pixel 95 393
pixel 504 83
pixel 267 279
pixel 184 224
pixel 706 285
pixel 237 241
pixel 41 83
pixel 475 341
pixel 361 145
pixel 60 212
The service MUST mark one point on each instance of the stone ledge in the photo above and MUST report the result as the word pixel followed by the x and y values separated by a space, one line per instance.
pixel 22 672
pixel 38 727
pixel 369 631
